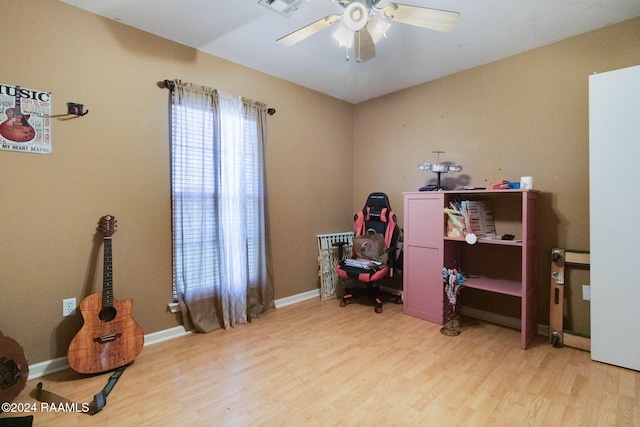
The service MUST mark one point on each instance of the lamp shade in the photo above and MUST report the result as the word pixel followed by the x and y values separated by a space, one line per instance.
pixel 344 36
pixel 377 27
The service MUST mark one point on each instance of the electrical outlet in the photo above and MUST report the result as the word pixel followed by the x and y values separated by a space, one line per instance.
pixel 586 292
pixel 68 307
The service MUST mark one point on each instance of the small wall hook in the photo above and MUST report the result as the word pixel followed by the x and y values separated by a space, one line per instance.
pixel 76 109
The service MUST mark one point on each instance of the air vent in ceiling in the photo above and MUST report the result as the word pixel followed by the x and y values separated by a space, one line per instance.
pixel 284 7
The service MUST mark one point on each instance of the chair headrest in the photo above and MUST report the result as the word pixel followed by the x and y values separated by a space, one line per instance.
pixel 377 207
pixel 376 215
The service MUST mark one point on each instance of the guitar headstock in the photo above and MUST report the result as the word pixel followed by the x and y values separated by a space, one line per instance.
pixel 107 225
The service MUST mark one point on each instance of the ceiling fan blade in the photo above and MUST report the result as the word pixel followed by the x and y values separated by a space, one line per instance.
pixel 309 30
pixel 433 19
pixel 365 48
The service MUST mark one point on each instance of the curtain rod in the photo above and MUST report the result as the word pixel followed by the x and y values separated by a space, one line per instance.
pixel 169 84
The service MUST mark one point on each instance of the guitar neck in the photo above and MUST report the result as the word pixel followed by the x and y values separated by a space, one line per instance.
pixel 17 108
pixel 107 277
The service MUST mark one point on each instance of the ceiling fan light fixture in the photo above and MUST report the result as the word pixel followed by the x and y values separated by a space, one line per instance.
pixel 364 23
pixel 377 28
pixel 344 35
pixel 356 16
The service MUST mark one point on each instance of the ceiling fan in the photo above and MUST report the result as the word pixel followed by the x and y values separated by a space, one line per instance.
pixel 364 24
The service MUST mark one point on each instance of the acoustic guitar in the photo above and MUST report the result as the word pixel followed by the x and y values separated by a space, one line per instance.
pixel 14 369
pixel 17 128
pixel 109 337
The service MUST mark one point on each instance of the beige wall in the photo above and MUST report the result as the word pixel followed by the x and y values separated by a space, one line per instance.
pixel 115 160
pixel 523 115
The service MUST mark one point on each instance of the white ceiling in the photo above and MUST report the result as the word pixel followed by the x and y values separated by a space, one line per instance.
pixel 245 32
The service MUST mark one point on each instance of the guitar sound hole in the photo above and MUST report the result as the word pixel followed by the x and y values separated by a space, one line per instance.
pixel 107 314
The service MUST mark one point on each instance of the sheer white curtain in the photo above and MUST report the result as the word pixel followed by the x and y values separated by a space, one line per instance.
pixel 221 248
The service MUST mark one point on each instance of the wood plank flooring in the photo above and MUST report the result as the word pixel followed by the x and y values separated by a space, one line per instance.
pixel 316 364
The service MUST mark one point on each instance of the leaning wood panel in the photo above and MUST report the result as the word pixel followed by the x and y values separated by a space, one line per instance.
pixel 557 336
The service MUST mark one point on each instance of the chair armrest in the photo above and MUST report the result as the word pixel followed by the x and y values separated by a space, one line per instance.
pixel 391 259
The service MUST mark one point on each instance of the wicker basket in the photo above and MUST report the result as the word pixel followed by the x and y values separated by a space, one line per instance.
pixel 328 258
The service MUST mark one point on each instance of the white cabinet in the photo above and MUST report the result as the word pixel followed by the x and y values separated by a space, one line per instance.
pixel 614 169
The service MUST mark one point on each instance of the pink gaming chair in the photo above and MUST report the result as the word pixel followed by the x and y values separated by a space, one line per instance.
pixel 376 216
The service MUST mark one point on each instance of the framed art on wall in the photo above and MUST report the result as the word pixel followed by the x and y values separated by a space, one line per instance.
pixel 25 120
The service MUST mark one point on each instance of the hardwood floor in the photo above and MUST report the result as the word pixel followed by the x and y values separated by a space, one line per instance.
pixel 316 364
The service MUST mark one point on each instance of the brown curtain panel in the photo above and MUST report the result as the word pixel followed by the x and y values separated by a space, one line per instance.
pixel 221 245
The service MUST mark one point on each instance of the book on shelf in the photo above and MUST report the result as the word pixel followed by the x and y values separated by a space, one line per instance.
pixel 479 218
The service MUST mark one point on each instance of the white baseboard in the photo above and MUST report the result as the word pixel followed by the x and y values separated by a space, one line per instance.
pixel 283 302
pixel 47 367
pixel 165 335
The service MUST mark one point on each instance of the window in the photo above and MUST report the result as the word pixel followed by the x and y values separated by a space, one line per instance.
pixel 218 198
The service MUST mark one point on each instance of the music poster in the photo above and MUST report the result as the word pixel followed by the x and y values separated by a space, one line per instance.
pixel 25 119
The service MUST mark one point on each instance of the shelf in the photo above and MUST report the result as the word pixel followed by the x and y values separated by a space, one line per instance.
pixel 488 241
pixel 491 192
pixel 498 267
pixel 501 286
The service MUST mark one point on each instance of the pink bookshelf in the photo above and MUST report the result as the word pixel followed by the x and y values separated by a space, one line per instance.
pixel 505 267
